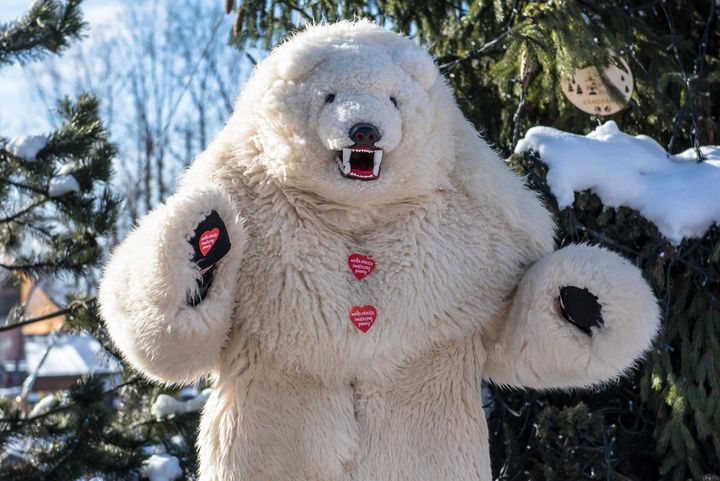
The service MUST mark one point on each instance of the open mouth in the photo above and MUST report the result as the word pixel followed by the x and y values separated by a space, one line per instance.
pixel 359 162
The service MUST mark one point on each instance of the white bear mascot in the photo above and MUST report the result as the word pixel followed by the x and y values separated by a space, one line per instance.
pixel 348 260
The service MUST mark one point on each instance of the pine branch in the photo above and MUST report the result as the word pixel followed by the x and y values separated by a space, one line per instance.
pixel 447 67
pixel 64 407
pixel 73 306
pixel 55 265
pixel 46 28
pixel 22 185
pixel 23 211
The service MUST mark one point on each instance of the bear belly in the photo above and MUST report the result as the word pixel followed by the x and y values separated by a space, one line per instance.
pixel 426 425
pixel 268 425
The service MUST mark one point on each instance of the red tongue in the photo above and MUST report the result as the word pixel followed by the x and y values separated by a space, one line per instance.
pixel 361 163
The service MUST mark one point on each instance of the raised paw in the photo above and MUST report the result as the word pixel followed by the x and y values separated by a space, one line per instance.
pixel 210 243
pixel 580 308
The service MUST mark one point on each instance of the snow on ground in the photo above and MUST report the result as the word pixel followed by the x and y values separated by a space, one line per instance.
pixel 162 467
pixel 166 405
pixel 680 196
pixel 26 146
pixel 62 184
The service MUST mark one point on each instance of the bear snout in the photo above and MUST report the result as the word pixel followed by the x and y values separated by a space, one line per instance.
pixel 364 134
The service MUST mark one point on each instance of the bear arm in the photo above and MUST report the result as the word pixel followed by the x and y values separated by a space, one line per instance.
pixel 539 346
pixel 150 277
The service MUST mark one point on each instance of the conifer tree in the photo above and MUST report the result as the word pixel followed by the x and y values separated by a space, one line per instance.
pixel 57 212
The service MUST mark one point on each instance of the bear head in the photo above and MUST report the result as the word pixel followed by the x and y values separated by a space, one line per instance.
pixel 351 113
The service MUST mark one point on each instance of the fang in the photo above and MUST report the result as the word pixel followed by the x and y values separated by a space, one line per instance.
pixel 377 158
pixel 346 161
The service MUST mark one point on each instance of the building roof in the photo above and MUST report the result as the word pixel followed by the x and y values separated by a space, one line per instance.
pixel 72 355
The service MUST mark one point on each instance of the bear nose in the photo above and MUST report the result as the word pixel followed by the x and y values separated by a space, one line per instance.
pixel 364 133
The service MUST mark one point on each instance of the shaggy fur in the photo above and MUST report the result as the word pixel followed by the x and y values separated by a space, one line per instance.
pixel 465 286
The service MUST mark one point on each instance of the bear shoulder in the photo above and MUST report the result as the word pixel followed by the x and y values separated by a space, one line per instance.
pixel 489 184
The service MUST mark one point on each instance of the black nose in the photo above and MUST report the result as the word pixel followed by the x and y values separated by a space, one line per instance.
pixel 364 134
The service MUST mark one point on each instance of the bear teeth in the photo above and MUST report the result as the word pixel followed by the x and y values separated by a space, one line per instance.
pixel 345 165
pixel 377 158
pixel 346 161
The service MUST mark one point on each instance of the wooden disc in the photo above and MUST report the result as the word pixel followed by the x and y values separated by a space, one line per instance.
pixel 587 90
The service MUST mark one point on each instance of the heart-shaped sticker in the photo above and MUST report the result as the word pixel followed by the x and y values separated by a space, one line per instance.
pixel 360 265
pixel 363 317
pixel 208 239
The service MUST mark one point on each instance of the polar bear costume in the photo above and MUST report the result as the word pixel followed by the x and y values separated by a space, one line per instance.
pixel 465 283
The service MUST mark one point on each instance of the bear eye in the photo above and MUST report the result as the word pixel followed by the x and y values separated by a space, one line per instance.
pixel 394 101
pixel 330 98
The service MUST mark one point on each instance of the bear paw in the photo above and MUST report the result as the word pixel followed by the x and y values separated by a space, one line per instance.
pixel 210 244
pixel 581 308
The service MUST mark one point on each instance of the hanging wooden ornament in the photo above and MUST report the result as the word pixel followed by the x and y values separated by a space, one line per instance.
pixel 587 88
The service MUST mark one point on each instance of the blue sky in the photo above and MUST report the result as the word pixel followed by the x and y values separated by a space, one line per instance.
pixel 19 113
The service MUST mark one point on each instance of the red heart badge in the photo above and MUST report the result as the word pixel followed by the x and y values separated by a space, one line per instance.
pixel 208 239
pixel 360 265
pixel 363 317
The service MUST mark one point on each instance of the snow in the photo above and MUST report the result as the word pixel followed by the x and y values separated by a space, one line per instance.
pixel 166 405
pixel 67 168
pixel 26 146
pixel 162 467
pixel 62 184
pixel 10 392
pixel 72 355
pixel 43 406
pixel 154 449
pixel 187 393
pixel 680 196
pixel 179 441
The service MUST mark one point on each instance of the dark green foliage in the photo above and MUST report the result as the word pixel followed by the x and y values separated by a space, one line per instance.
pixel 671 403
pixel 505 60
pixel 481 45
pixel 77 438
pixel 95 431
pixel 565 439
pixel 49 26
pixel 65 228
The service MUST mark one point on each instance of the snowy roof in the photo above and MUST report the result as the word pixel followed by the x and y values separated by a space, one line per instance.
pixel 679 195
pixel 72 355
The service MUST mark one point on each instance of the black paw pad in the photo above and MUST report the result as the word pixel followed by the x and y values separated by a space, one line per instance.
pixel 580 308
pixel 210 241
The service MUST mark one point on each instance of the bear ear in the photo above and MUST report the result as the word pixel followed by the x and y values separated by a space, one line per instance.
pixel 419 64
pixel 294 62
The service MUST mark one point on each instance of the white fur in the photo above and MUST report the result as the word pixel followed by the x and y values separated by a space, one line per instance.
pixel 150 275
pixel 465 282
